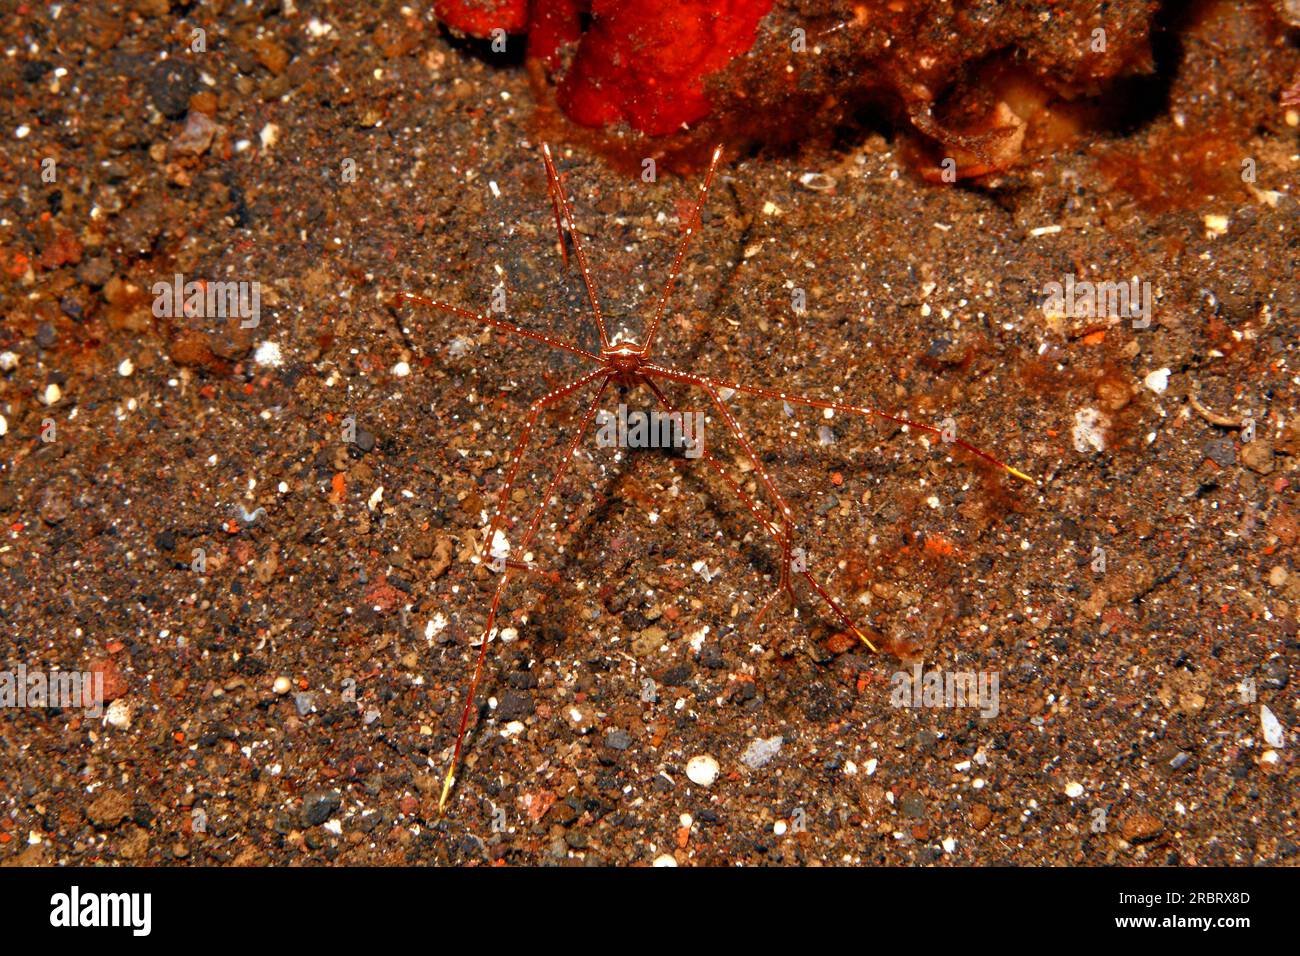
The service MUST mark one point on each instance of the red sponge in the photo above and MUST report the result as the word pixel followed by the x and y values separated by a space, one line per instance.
pixel 645 61
pixel 642 62
pixel 479 18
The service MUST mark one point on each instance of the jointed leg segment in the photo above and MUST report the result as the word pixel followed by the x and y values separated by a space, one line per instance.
pixel 503 496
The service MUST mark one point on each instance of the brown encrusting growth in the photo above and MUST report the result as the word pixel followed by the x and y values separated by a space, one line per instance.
pixel 986 87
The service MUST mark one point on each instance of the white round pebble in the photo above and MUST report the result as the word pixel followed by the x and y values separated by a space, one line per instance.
pixel 126 368
pixel 401 370
pixel 8 361
pixel 52 393
pixel 702 770
pixel 281 685
pixel 779 828
pixel 665 860
pixel 4 426
pixel 1073 789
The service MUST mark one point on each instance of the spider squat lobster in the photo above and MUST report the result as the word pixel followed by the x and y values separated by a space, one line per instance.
pixel 627 364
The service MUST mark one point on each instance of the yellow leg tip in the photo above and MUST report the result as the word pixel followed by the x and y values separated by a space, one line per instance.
pixel 446 789
pixel 1021 475
pixel 863 638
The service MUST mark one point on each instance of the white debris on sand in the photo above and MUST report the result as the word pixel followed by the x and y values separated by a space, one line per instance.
pixel 760 751
pixel 702 770
pixel 1089 431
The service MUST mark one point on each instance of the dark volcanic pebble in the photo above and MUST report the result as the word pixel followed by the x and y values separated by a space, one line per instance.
pixel 319 806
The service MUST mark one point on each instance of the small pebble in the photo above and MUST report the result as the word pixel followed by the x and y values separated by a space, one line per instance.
pixel 1257 455
pixel 702 770
pixel 118 714
pixel 1089 432
pixel 665 860
pixel 1073 789
pixel 1221 451
pixel 1277 575
pixel 1271 727
pixel 52 393
pixel 126 368
pixel 281 685
pixel 760 751
pixel 1140 827
pixel 1157 381
pixel 318 807
pixel 912 804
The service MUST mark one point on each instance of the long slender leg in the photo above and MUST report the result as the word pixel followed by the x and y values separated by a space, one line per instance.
pixel 533 524
pixel 783 536
pixel 787 516
pixel 534 412
pixel 681 251
pixel 709 383
pixel 780 533
pixel 489 319
pixel 564 223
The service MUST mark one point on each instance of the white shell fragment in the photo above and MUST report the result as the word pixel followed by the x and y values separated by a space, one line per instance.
pixel 1157 381
pixel 1272 728
pixel 702 770
pixel 760 751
